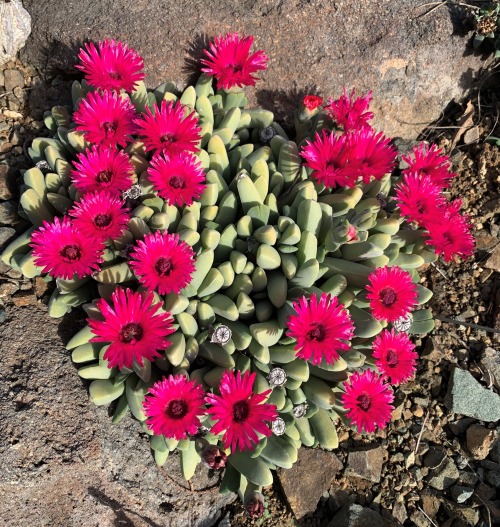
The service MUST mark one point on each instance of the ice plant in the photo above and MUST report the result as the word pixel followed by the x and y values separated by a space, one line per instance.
pixel 100 216
pixel 395 356
pixel 349 112
pixel 429 160
pixel 391 292
pixel 133 327
pixel 230 62
pixel 169 129
pixel 60 249
pixel 239 412
pixel 163 263
pixel 322 328
pixel 368 401
pixel 174 406
pixel 327 156
pixel 178 178
pixel 106 119
pixel 111 65
pixel 102 168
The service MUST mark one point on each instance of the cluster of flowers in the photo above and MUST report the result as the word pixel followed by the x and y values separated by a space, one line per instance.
pixel 136 328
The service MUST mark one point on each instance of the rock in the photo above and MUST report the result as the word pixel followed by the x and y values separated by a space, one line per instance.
pixel 41 286
pixel 24 298
pixel 485 241
pixel 479 441
pixel 434 457
pixel 366 464
pixel 358 516
pixel 493 478
pixel 493 262
pixel 415 64
pixel 16 27
pixel 64 462
pixel 467 397
pixel 13 79
pixel 444 476
pixel 6 233
pixel 462 512
pixel 312 474
pixel 468 478
pixel 5 182
pixel 490 360
pixel 430 503
pixel 461 494
pixel 399 512
pixel 7 289
pixel 8 213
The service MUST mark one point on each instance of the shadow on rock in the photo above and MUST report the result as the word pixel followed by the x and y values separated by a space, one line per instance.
pixel 194 54
pixel 121 519
pixel 70 324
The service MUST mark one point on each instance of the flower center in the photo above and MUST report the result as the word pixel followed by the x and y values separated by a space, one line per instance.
pixel 240 411
pixel 391 358
pixel 388 296
pixel 176 182
pixel 115 76
pixel 164 266
pixel 102 220
pixel 364 402
pixel 131 332
pixel 104 177
pixel 167 138
pixel 176 409
pixel 109 129
pixel 317 332
pixel 71 253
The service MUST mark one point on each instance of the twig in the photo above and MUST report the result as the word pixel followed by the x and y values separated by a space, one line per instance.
pixel 12 92
pixel 440 271
pixel 415 451
pixel 468 324
pixel 425 514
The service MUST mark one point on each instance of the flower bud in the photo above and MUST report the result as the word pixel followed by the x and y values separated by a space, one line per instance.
pixel 213 457
pixel 254 505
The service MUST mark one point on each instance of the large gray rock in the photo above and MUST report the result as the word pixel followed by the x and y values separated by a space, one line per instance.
pixel 467 397
pixel 63 462
pixel 358 516
pixel 416 63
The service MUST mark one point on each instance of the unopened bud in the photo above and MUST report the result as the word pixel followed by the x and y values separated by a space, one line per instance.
pixel 213 457
pixel 254 505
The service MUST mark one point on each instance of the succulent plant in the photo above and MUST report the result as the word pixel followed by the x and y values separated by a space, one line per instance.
pixel 264 234
pixel 487 26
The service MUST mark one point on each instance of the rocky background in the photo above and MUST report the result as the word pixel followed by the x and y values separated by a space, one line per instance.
pixel 438 464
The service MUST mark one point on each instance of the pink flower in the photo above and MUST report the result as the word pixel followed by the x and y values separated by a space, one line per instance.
pixel 311 102
pixel 63 251
pixel 367 401
pixel 450 233
pixel 370 155
pixel 428 161
pixel 230 62
pixel 327 157
pixel 168 130
pixel 174 407
pixel 395 356
pixel 392 293
pixel 100 215
pixel 419 198
pixel 322 328
pixel 163 262
pixel 350 113
pixel 102 168
pixel 111 66
pixel 133 327
pixel 179 179
pixel 106 118
pixel 238 411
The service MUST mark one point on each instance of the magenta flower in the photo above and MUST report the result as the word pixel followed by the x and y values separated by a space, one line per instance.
pixel 238 411
pixel 102 168
pixel 100 215
pixel 230 62
pixel 450 233
pixel 163 262
pixel 63 251
pixel 106 118
pixel 391 292
pixel 327 156
pixel 367 401
pixel 429 161
pixel 173 407
pixel 168 130
pixel 370 155
pixel 133 328
pixel 350 113
pixel 322 328
pixel 179 179
pixel 418 198
pixel 395 356
pixel 111 66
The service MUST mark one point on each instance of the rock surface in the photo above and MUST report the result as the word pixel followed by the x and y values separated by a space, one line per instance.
pixel 467 397
pixel 414 61
pixel 64 462
pixel 479 441
pixel 358 516
pixel 366 463
pixel 306 481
